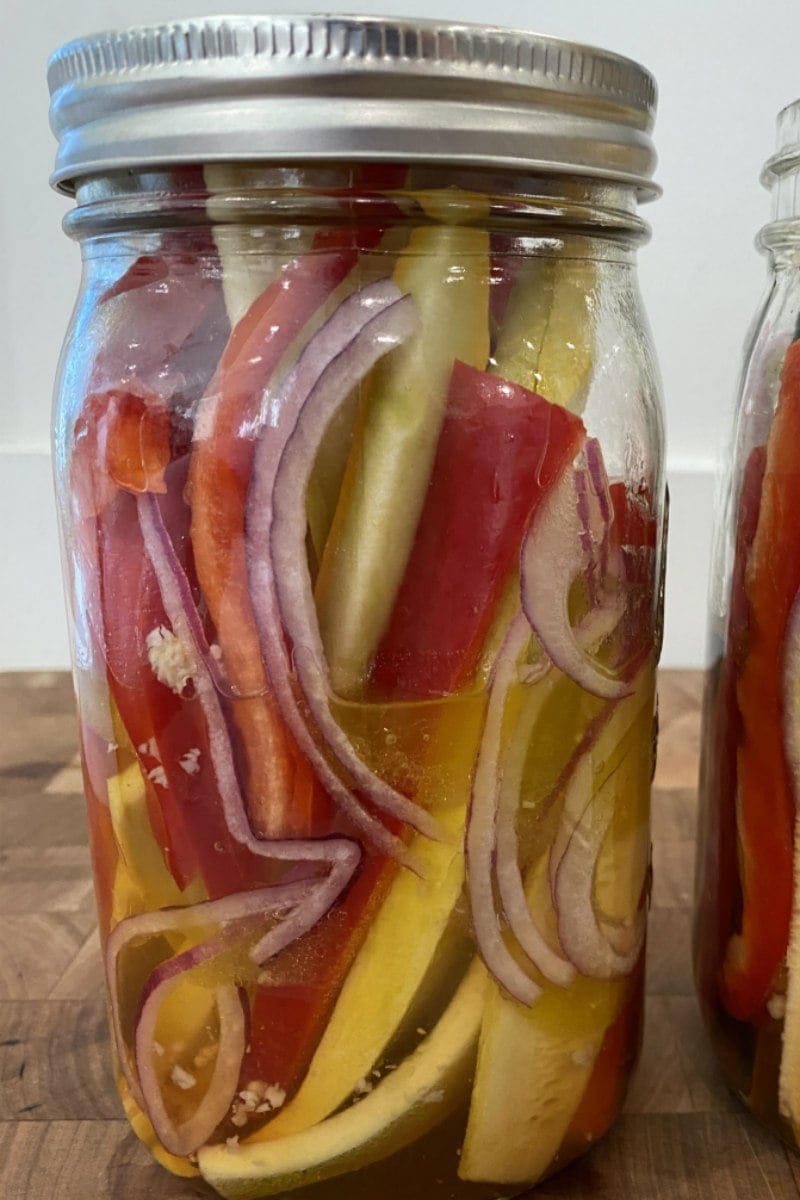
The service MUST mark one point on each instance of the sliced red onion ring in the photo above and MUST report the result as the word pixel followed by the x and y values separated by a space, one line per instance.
pixel 281 408
pixel 591 632
pixel 578 758
pixel 553 556
pixel 242 907
pixel 190 1135
pixel 335 360
pixel 481 833
pixel 595 950
pixel 290 576
pixel 305 900
pixel 507 783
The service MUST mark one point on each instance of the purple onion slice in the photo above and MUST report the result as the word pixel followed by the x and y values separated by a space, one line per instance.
pixel 296 907
pixel 244 909
pixel 560 545
pixel 593 946
pixel 506 774
pixel 481 842
pixel 190 1135
pixel 334 361
pixel 287 536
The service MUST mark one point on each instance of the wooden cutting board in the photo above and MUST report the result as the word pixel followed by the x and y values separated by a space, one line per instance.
pixel 62 1136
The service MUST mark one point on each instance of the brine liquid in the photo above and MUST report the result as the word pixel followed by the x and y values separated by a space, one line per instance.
pixel 431 745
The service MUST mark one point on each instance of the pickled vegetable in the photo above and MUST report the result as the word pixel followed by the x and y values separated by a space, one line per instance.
pixel 747 950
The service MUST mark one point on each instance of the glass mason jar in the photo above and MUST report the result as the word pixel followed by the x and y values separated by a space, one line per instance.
pixel 360 480
pixel 746 937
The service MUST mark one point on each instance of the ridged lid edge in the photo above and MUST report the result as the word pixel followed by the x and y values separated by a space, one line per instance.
pixel 354 42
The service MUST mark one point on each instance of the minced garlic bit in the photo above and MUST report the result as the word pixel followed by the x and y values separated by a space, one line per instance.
pixel 257 1097
pixel 232 1142
pixel 776 1007
pixel 190 761
pixel 150 748
pixel 168 658
pixel 422 1032
pixel 159 1049
pixel 182 1078
pixel 275 1096
pixel 363 1087
pixel 205 1056
pixel 158 775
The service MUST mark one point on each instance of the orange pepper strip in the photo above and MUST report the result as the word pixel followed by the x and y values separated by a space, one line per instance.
pixel 764 803
pixel 219 478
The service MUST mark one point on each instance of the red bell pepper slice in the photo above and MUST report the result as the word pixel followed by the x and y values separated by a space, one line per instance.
pixel 164 728
pixel 633 520
pixel 765 806
pixel 500 448
pixel 717 879
pixel 288 1018
pixel 168 730
pixel 124 439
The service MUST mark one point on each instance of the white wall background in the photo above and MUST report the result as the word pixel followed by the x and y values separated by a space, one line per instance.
pixel 724 69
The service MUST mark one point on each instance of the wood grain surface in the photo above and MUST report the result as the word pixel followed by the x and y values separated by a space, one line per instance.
pixel 62 1135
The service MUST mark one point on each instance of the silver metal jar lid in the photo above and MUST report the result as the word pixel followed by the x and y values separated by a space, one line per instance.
pixel 294 88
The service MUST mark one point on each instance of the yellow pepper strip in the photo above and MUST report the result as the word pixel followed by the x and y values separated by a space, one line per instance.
pixel 446 270
pixel 547 340
pixel 248 263
pixel 533 1067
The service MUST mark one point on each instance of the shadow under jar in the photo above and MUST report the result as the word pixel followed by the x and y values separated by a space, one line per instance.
pixel 359 469
pixel 747 940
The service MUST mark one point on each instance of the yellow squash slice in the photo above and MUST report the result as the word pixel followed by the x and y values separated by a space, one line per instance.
pixel 425 1089
pixel 534 1063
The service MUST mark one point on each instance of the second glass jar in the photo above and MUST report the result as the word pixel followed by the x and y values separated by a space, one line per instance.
pixel 746 926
